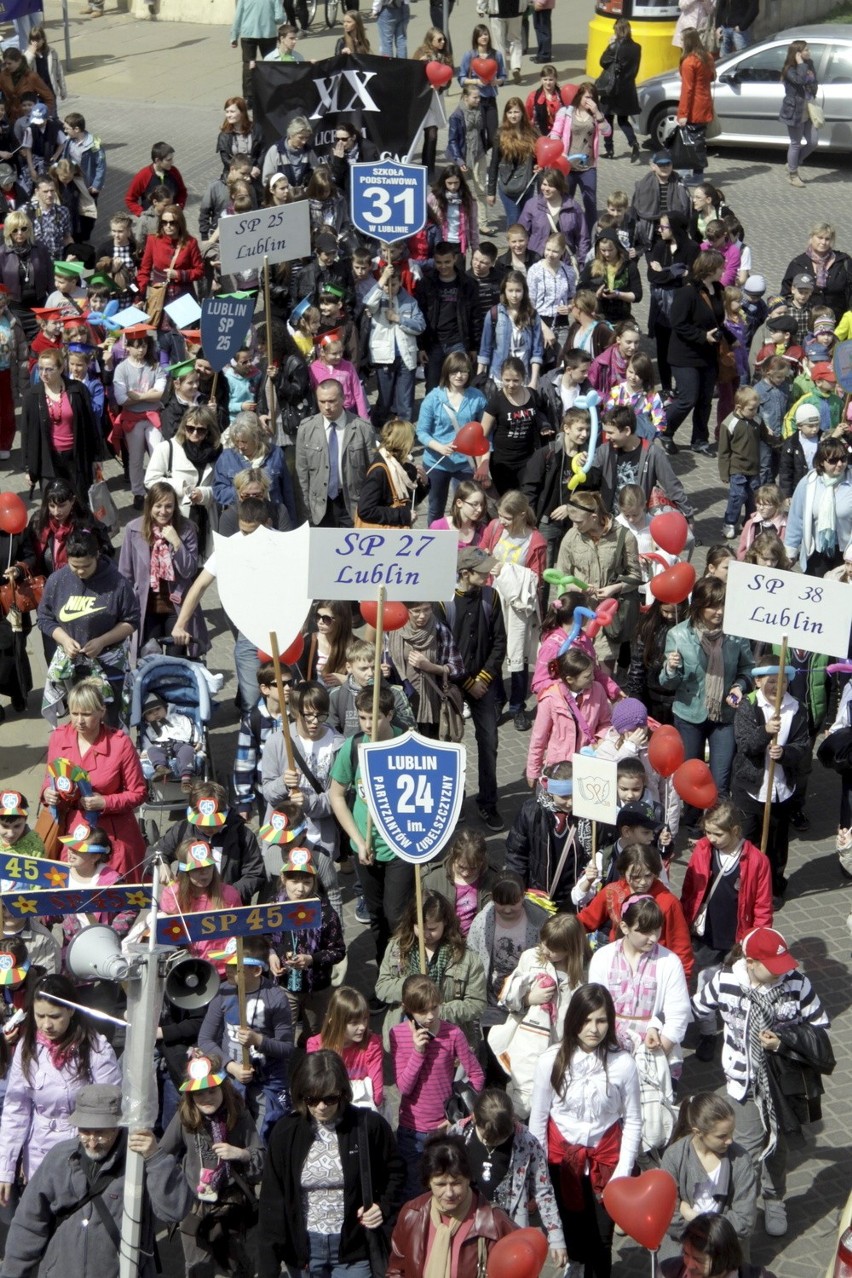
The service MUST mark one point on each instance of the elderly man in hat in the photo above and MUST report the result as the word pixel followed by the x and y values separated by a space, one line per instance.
pixel 70 1214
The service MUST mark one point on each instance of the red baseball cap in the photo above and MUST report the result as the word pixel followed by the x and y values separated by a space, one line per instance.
pixel 820 371
pixel 769 948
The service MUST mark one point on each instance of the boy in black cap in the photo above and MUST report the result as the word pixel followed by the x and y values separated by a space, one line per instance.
pixel 475 618
pixel 326 269
pixel 780 334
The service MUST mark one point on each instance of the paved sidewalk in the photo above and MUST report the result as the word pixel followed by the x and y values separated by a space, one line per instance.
pixel 137 82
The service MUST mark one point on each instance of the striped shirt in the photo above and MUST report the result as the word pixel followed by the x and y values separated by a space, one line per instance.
pixel 425 1080
pixel 725 993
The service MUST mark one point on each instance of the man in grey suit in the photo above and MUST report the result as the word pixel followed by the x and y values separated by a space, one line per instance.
pixel 333 450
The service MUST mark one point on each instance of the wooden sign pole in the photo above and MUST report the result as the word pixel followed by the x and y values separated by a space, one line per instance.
pixel 421 942
pixel 271 403
pixel 241 999
pixel 770 780
pixel 282 704
pixel 377 683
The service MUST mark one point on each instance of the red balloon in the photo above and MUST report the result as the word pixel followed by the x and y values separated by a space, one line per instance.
pixel 537 1240
pixel 13 514
pixel 665 750
pixel 394 618
pixel 265 658
pixel 673 585
pixel 471 440
pixel 547 150
pixel 292 654
pixel 694 782
pixel 484 68
pixel 670 531
pixel 568 93
pixel 514 1257
pixel 604 616
pixel 562 164
pixel 438 74
pixel 642 1206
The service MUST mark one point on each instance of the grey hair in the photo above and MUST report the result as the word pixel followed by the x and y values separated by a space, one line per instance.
pixel 299 124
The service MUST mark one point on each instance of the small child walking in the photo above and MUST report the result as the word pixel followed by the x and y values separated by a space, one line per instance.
pixel 739 456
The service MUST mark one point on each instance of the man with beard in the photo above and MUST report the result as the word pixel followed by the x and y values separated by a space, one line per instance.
pixel 69 1217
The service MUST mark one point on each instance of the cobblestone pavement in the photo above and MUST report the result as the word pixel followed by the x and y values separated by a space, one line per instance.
pixel 138 82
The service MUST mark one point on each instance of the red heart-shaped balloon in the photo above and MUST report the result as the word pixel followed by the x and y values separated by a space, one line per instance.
pixel 516 1255
pixel 670 531
pixel 438 74
pixel 666 750
pixel 642 1206
pixel 547 150
pixel 472 441
pixel 694 782
pixel 484 68
pixel 394 617
pixel 13 514
pixel 568 93
pixel 562 164
pixel 292 654
pixel 265 658
pixel 674 585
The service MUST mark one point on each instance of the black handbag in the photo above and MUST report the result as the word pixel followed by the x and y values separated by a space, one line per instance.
pixel 378 1247
pixel 605 83
pixel 835 751
pixel 460 1102
pixel 688 147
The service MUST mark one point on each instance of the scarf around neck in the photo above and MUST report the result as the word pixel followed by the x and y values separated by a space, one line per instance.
pixel 762 1001
pixel 401 482
pixel 401 643
pixel 473 148
pixel 825 512
pixel 439 1260
pixel 822 263
pixel 60 1053
pixel 162 565
pixel 714 679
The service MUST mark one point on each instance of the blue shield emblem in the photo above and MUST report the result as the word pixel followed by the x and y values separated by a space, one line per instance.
pixel 414 789
pixel 225 323
pixel 388 199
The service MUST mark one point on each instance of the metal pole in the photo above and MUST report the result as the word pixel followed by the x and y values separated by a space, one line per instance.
pixel 67 33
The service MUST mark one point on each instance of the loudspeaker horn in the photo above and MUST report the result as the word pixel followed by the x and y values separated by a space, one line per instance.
pixel 95 955
pixel 191 984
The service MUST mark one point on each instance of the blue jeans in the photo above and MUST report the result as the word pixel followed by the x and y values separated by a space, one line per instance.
pixel 246 664
pixel 437 355
pixel 720 737
pixel 803 140
pixel 396 393
pixel 409 1146
pixel 694 394
pixel 324 1251
pixel 393 24
pixel 732 41
pixel 741 490
pixel 512 208
pixel 440 484
pixel 541 24
pixel 588 184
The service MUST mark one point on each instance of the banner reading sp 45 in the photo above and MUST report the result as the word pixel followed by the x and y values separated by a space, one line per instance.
pixel 248 920
pixel 96 900
pixel 414 788
pixel 30 872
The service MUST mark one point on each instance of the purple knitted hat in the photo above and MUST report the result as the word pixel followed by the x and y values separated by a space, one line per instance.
pixel 628 714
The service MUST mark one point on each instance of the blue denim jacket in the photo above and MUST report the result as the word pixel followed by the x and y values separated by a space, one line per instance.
pixel 496 345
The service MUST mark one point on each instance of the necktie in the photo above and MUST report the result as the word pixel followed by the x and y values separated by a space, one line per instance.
pixel 333 463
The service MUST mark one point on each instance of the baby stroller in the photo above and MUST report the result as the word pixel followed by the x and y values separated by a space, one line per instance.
pixel 186 685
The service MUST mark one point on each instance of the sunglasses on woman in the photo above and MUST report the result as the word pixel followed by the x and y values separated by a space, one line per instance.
pixel 313 1101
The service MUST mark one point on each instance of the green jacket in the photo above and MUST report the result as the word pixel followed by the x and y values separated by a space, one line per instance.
pixel 688 680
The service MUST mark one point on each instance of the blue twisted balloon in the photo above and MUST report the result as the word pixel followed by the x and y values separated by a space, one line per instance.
pixel 580 471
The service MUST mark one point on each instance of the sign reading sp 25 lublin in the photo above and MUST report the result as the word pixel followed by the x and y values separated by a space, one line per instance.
pixel 414 788
pixel 279 234
pixel 764 604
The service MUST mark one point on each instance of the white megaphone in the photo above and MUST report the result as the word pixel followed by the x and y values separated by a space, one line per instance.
pixel 95 955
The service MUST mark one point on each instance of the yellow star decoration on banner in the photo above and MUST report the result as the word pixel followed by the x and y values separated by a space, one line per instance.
pixel 56 878
pixel 25 904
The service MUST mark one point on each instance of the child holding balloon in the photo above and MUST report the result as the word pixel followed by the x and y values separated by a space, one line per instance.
pixel 573 712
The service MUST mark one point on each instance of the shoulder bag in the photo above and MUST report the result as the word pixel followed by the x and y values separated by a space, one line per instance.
pixel 395 505
pixel 155 297
pixel 378 1248
pixel 816 115
pixel 23 594
pixel 451 715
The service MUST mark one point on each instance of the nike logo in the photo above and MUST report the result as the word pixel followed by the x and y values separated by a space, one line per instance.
pixel 80 606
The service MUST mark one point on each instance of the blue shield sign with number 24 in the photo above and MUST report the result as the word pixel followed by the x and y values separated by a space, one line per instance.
pixel 414 789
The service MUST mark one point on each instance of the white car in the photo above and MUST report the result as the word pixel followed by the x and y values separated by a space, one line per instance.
pixel 747 92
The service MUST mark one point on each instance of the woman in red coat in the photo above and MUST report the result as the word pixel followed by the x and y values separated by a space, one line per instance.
pixel 423 1237
pixel 118 786
pixel 172 255
pixel 695 109
pixel 638 870
pixel 727 892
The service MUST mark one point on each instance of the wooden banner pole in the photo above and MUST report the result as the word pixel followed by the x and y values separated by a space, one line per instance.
pixel 282 704
pixel 241 999
pixel 377 683
pixel 421 942
pixel 271 403
pixel 770 781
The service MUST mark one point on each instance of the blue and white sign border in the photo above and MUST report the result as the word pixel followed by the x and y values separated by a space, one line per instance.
pixel 376 793
pixel 372 184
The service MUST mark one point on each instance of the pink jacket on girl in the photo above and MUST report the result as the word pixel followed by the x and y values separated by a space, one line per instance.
pixel 754 525
pixel 549 651
pixel 354 398
pixel 732 254
pixel 562 127
pixel 556 734
pixel 468 225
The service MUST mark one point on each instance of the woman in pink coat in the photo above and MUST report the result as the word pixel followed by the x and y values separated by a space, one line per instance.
pixel 580 128
pixel 58 1054
pixel 114 771
pixel 573 712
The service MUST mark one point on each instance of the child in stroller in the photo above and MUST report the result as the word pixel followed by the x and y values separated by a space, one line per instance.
pixel 169 742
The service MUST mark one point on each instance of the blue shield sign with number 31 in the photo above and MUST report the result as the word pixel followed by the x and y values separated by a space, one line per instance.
pixel 414 789
pixel 388 200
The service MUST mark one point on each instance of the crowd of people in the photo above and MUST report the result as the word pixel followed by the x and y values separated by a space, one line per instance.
pixel 536 1013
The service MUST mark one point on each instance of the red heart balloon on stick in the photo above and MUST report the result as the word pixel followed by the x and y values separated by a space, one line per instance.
pixel 670 531
pixel 665 750
pixel 516 1256
pixel 561 163
pixel 292 654
pixel 642 1206
pixel 674 585
pixel 694 782
pixel 484 68
pixel 438 74
pixel 13 514
pixel 547 150
pixel 472 441
pixel 394 618
pixel 265 658
pixel 568 93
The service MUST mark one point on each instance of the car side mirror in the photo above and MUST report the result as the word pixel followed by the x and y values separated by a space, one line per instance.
pixel 728 77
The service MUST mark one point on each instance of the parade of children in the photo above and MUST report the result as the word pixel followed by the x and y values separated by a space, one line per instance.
pixel 426 812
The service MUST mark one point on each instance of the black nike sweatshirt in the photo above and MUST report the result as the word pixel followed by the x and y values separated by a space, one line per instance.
pixel 87 609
